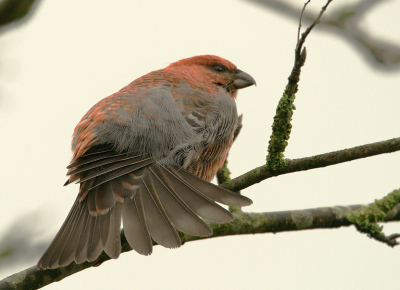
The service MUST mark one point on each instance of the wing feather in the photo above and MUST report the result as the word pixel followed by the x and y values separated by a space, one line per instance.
pixel 160 226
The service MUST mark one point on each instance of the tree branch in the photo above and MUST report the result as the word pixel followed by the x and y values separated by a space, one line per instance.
pixel 13 10
pixel 282 126
pixel 261 173
pixel 346 23
pixel 244 223
pixel 366 218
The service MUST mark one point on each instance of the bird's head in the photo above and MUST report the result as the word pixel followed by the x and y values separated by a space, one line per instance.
pixel 210 71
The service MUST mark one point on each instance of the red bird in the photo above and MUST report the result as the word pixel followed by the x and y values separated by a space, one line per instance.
pixel 142 155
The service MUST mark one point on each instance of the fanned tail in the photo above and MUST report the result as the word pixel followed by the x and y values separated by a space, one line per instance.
pixel 153 202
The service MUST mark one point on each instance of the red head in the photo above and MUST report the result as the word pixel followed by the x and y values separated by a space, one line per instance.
pixel 211 72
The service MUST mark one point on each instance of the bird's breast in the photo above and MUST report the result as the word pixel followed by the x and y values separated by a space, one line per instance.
pixel 217 137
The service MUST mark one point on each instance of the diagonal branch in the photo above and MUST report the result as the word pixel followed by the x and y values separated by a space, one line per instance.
pixel 261 173
pixel 244 223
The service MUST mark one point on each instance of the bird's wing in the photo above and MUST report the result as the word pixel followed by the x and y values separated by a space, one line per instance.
pixel 121 177
pixel 146 121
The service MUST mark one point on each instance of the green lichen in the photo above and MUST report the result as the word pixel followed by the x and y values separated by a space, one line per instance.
pixel 281 129
pixel 273 224
pixel 366 218
pixel 224 175
pixel 6 252
pixel 245 223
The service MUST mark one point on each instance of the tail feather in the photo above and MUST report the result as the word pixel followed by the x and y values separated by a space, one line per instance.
pixel 118 189
pixel 71 242
pixel 160 227
pixel 95 245
pixel 135 227
pixel 91 201
pixel 113 244
pixel 152 200
pixel 48 257
pixel 81 250
pixel 104 198
pixel 90 241
pixel 200 204
pixel 212 191
pixel 182 217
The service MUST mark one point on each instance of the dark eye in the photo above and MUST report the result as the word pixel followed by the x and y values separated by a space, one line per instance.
pixel 218 68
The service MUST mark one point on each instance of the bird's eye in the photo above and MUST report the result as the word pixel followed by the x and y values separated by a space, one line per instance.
pixel 218 68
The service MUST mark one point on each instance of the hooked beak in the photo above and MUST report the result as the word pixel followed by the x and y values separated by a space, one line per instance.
pixel 242 79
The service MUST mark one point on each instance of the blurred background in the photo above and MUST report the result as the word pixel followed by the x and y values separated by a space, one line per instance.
pixel 64 56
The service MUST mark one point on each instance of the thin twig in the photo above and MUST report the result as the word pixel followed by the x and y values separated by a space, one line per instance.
pixel 347 23
pixel 308 30
pixel 301 17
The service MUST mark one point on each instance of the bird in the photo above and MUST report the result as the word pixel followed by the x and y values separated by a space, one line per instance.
pixel 145 157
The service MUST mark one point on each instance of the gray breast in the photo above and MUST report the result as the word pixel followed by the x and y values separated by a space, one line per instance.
pixel 214 131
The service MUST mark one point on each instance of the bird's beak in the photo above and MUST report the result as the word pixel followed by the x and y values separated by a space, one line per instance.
pixel 242 79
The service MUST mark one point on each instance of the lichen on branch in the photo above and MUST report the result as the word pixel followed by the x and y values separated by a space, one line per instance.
pixel 366 218
pixel 282 126
pixel 281 129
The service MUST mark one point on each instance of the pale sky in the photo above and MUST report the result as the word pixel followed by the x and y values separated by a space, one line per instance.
pixel 73 53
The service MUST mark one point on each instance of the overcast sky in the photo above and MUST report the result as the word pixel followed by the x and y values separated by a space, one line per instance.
pixel 71 54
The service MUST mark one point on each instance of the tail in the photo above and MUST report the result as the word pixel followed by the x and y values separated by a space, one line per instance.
pixel 153 202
